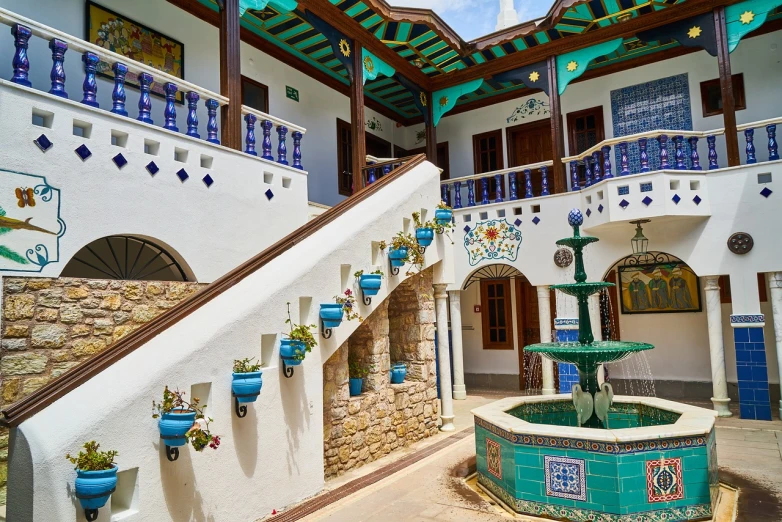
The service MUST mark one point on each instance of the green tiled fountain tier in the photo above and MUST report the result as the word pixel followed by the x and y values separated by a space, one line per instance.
pixel 655 461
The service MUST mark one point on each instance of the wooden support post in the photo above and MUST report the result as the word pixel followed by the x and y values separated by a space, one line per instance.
pixel 557 133
pixel 359 145
pixel 231 74
pixel 431 132
pixel 726 89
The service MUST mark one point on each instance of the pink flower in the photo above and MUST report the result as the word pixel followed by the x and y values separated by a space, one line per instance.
pixel 348 292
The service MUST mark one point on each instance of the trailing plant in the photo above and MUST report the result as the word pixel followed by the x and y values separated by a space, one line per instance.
pixel 303 333
pixel 356 370
pixel 445 229
pixel 93 459
pixel 348 302
pixel 414 255
pixel 246 365
pixel 423 224
pixel 359 273
pixel 382 245
pixel 198 435
pixel 443 206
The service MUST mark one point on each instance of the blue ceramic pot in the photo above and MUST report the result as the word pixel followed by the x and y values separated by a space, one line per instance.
pixel 331 315
pixel 288 349
pixel 174 425
pixel 246 386
pixel 355 387
pixel 424 236
pixel 97 484
pixel 370 283
pixel 443 216
pixel 398 256
pixel 398 373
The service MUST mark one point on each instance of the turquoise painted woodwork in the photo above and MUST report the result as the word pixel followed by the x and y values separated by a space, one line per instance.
pixel 374 66
pixel 445 99
pixel 246 386
pixel 572 65
pixel 93 488
pixel 745 17
pixel 174 425
pixel 282 6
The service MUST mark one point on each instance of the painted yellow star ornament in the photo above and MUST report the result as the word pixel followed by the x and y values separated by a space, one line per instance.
pixel 694 32
pixel 443 101
pixel 747 17
pixel 572 66
pixel 422 97
pixel 344 47
pixel 368 64
pixel 534 76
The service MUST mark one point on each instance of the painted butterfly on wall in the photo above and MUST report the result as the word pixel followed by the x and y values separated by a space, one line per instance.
pixel 25 197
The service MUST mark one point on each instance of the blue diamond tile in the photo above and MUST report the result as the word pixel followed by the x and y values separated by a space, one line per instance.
pixel 43 142
pixel 466 228
pixel 589 212
pixel 152 168
pixel 624 203
pixel 676 198
pixel 766 192
pixel 600 208
pixel 536 220
pixel 517 222
pixel 83 152
pixel 182 175
pixel 697 199
pixel 208 181
pixel 269 194
pixel 647 201
pixel 119 160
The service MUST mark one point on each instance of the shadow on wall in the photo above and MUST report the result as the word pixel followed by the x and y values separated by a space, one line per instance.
pixel 20 483
pixel 245 437
pixel 180 489
pixel 297 411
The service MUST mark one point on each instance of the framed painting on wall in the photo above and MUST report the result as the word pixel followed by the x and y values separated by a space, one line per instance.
pixel 659 288
pixel 115 32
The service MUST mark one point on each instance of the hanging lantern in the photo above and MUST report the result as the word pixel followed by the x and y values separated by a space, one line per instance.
pixel 639 242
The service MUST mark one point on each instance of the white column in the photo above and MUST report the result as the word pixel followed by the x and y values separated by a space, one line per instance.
pixel 719 381
pixel 444 357
pixel 544 316
pixel 775 287
pixel 597 331
pixel 454 300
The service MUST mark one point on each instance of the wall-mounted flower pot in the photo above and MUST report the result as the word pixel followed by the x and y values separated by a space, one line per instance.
pixel 93 489
pixel 443 216
pixel 331 315
pixel 173 426
pixel 424 236
pixel 355 387
pixel 370 283
pixel 398 256
pixel 398 373
pixel 245 387
pixel 290 349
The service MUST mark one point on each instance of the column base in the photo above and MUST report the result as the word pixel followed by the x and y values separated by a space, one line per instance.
pixel 447 423
pixel 548 391
pixel 721 407
pixel 459 392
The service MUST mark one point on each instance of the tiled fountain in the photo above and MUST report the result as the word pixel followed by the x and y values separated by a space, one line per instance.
pixel 590 455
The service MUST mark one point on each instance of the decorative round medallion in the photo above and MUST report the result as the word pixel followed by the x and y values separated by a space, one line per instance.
pixel 368 64
pixel 740 243
pixel 422 97
pixel 563 257
pixel 344 47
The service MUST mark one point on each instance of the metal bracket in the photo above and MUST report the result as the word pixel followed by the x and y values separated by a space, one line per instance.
pixel 325 332
pixel 367 299
pixel 421 249
pixel 287 370
pixel 172 453
pixel 241 408
pixel 91 514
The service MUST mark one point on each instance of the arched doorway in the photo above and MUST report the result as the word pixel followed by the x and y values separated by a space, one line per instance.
pixel 126 258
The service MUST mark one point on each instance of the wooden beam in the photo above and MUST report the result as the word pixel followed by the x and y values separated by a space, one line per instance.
pixel 231 75
pixel 726 89
pixel 431 131
pixel 557 132
pixel 359 143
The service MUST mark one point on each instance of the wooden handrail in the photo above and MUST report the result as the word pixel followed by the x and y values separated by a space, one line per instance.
pixel 388 162
pixel 23 409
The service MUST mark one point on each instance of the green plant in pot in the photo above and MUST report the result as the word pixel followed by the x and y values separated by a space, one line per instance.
pixel 246 383
pixel 96 477
pixel 182 422
pixel 298 344
pixel 357 372
pixel 424 230
pixel 405 246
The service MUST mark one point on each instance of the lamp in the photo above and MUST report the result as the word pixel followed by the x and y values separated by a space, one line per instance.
pixel 639 241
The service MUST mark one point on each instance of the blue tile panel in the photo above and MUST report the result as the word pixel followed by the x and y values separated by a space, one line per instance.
pixel 655 105
pixel 754 400
pixel 568 374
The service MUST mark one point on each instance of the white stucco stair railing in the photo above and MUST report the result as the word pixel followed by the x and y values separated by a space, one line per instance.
pixel 278 447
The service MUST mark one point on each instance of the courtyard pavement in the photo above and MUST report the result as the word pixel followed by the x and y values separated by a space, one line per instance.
pixel 749 456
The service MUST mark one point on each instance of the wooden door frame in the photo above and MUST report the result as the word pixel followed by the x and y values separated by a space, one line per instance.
pixel 476 152
pixel 508 345
pixel 524 127
pixel 261 86
pixel 571 137
pixel 521 327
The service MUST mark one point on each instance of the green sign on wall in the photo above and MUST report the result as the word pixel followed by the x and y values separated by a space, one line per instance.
pixel 291 93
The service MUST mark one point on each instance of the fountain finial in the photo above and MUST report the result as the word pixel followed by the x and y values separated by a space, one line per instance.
pixel 575 218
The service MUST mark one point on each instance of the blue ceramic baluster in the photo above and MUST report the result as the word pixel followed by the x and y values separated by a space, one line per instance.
pixel 266 144
pixel 681 163
pixel 457 194
pixel 90 86
pixel 470 192
pixel 192 114
pixel 606 150
pixel 663 141
pixel 514 193
pixel 643 156
pixel 749 135
pixel 499 181
pixel 211 122
pixel 695 160
pixel 371 176
pixel 773 147
pixel 528 184
pixel 145 101
pixel 169 113
pixel 297 150
pixel 587 172
pixel 57 75
pixel 387 169
pixel 596 167
pixel 711 141
pixel 574 176
pixel 249 139
pixel 20 62
pixel 624 159
pixel 484 191
pixel 444 193
pixel 118 96
pixel 544 181
pixel 282 152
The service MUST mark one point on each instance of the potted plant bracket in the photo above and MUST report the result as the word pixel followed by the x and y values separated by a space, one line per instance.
pixel 245 385
pixel 369 284
pixel 294 349
pixel 182 422
pixel 96 478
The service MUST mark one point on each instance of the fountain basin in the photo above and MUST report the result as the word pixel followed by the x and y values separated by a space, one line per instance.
pixel 656 461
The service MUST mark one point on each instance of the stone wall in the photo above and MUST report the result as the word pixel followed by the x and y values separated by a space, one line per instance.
pixel 385 417
pixel 51 325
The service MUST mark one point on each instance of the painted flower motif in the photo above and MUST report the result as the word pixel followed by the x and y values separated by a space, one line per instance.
pixel 494 239
pixel 492 233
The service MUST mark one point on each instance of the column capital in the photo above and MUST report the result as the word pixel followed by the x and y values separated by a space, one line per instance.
pixel 712 283
pixel 455 296
pixel 543 290
pixel 439 291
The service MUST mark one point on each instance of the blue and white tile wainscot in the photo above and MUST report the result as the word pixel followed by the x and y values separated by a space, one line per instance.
pixel 566 331
pixel 611 475
pixel 751 369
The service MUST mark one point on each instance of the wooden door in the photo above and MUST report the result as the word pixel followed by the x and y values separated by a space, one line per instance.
pixel 487 157
pixel 530 143
pixel 585 130
pixel 496 319
pixel 344 158
pixel 528 320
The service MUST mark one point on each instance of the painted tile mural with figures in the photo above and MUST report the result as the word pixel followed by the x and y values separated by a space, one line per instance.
pixel 661 287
